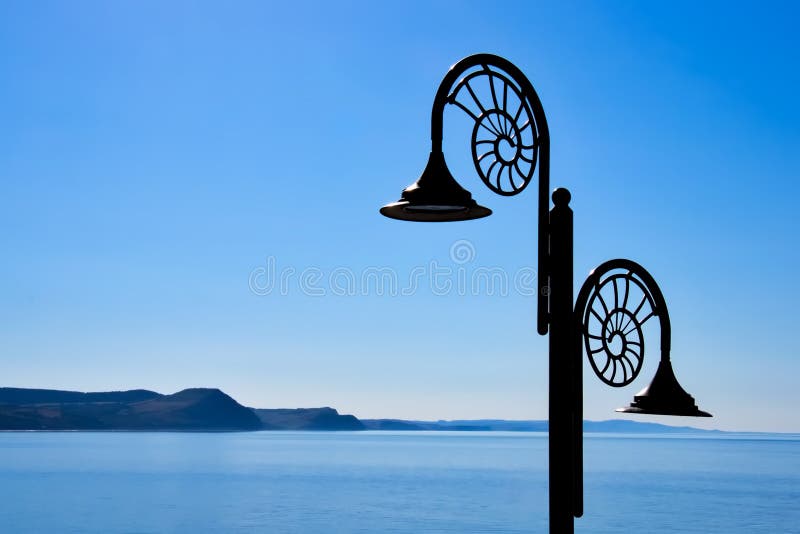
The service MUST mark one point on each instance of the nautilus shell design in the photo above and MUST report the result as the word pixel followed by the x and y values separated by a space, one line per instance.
pixel 618 307
pixel 504 137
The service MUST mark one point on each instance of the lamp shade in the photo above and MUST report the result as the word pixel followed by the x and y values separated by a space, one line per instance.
pixel 664 396
pixel 435 197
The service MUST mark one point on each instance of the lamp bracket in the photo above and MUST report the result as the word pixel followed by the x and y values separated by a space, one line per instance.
pixel 509 138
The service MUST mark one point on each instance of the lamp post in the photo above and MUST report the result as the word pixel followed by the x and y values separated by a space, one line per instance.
pixel 509 137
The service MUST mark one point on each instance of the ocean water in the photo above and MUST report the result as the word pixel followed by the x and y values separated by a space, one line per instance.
pixel 409 482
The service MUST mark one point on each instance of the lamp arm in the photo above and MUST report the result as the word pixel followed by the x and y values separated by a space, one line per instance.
pixel 541 142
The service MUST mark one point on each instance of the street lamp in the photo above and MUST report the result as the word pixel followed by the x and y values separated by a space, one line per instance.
pixel 509 137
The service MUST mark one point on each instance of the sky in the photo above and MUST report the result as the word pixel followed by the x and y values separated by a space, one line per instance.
pixel 190 196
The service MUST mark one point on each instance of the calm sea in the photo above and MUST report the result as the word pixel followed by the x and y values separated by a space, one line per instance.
pixel 409 482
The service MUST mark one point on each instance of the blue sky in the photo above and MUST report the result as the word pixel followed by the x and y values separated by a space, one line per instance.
pixel 156 155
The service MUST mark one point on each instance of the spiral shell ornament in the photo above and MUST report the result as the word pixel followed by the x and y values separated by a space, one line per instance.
pixel 618 307
pixel 504 138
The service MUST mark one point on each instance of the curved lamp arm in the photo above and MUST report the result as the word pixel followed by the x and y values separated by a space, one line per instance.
pixel 447 94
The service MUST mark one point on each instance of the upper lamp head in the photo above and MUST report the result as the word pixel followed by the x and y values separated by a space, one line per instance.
pixel 435 197
pixel 664 396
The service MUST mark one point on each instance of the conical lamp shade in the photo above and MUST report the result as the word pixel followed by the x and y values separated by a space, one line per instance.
pixel 664 396
pixel 435 197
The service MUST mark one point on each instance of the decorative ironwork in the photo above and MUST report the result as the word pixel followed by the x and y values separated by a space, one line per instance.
pixel 505 140
pixel 618 306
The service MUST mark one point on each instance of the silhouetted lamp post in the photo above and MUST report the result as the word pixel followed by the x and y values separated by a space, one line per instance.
pixel 509 136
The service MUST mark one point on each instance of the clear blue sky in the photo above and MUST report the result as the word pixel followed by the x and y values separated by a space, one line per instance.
pixel 154 155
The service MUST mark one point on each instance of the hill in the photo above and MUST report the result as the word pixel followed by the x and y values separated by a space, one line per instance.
pixel 190 409
pixel 306 419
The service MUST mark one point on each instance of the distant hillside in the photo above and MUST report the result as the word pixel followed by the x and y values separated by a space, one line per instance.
pixel 306 419
pixel 393 424
pixel 42 396
pixel 202 410
pixel 611 426
pixel 190 409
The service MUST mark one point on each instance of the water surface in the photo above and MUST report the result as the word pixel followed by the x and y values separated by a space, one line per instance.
pixel 409 482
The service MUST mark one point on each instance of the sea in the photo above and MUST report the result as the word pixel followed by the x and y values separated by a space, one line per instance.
pixel 401 482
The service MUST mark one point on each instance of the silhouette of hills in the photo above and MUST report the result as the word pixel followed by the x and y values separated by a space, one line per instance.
pixel 208 409
pixel 196 409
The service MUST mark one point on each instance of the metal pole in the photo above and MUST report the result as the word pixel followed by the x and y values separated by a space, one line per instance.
pixel 562 384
